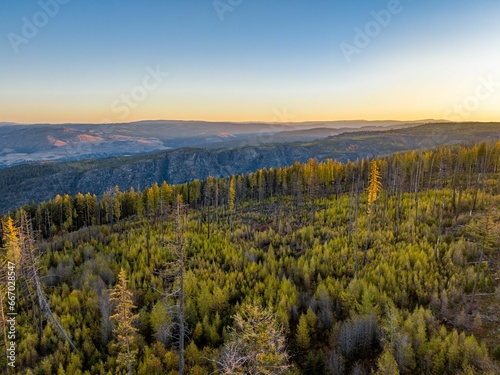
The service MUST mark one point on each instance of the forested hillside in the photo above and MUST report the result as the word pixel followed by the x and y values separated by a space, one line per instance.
pixel 385 266
pixel 37 182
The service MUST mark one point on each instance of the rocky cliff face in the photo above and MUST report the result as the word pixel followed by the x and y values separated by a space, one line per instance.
pixel 21 185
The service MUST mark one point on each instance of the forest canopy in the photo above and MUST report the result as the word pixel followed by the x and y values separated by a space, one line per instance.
pixel 385 266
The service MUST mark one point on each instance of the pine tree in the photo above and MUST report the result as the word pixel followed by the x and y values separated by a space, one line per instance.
pixel 386 364
pixel 303 336
pixel 125 331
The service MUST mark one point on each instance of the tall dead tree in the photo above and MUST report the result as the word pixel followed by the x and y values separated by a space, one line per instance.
pixel 486 233
pixel 180 251
pixel 29 272
pixel 29 265
pixel 416 191
pixel 174 271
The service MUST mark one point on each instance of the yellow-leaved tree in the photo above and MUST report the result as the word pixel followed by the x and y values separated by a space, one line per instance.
pixel 374 185
pixel 11 242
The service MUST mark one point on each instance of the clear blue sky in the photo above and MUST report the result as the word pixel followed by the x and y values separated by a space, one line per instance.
pixel 263 57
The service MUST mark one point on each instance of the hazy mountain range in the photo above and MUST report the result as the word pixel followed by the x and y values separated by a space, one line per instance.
pixel 21 143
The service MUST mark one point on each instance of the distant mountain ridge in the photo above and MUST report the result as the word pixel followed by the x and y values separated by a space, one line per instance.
pixel 22 143
pixel 41 181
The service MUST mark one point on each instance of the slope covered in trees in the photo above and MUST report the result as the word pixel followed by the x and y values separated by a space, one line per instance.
pixel 41 181
pixel 386 266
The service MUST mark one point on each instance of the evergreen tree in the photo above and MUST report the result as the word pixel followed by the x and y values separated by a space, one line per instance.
pixel 386 364
pixel 303 337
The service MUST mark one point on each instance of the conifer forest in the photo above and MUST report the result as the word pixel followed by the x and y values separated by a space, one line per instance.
pixel 374 266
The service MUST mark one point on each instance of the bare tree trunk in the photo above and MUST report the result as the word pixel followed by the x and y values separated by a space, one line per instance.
pixel 476 280
pixel 476 191
pixel 216 202
pixel 30 270
pixel 417 182
pixel 355 229
pixel 436 250
pixel 368 239
pixel 181 287
pixel 128 354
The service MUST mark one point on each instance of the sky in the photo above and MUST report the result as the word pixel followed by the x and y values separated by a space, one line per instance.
pixel 95 61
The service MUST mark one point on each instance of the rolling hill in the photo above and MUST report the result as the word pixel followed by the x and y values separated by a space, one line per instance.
pixel 47 142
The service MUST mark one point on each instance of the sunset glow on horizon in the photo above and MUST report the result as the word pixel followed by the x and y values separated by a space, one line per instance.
pixel 285 61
